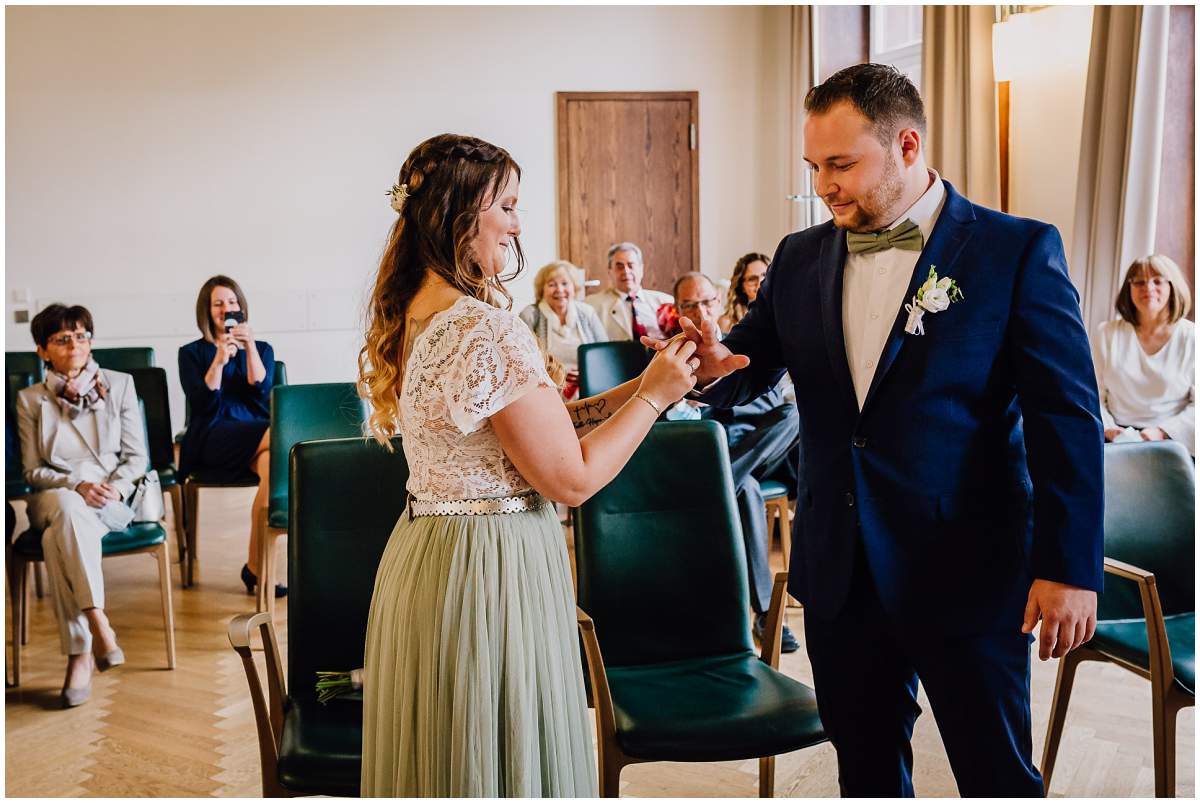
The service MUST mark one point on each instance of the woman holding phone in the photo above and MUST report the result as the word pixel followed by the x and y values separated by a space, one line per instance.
pixel 226 376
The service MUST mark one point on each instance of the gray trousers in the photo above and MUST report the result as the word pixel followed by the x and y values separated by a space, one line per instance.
pixel 71 543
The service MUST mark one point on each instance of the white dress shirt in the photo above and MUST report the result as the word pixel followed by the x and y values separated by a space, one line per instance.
pixel 1143 390
pixel 873 288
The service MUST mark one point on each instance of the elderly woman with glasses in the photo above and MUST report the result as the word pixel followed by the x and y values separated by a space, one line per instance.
pixel 83 448
pixel 561 324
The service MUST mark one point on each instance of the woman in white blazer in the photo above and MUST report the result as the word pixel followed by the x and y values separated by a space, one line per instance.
pixel 1146 359
pixel 82 448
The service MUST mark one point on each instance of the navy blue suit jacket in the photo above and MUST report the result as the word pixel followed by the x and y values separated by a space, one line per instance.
pixel 974 465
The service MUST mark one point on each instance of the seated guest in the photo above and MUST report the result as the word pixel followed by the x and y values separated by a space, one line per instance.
pixel 748 274
pixel 762 434
pixel 559 322
pixel 1145 360
pixel 83 448
pixel 226 376
pixel 626 309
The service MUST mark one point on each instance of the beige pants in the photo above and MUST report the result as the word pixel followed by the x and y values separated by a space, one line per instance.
pixel 71 543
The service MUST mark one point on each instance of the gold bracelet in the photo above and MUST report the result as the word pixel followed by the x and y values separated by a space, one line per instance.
pixel 649 401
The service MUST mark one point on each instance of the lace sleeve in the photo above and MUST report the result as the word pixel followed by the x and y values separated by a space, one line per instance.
pixel 497 362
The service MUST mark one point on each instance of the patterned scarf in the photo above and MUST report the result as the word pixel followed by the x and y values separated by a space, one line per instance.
pixel 75 396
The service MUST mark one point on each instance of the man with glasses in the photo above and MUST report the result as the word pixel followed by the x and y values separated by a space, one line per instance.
pixel 762 434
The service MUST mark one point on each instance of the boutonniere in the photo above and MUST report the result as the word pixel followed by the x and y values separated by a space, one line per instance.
pixel 934 295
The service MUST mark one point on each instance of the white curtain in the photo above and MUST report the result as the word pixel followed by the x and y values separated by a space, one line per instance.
pixel 1120 155
pixel 960 100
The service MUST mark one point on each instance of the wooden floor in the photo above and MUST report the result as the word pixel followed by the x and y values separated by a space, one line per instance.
pixel 148 731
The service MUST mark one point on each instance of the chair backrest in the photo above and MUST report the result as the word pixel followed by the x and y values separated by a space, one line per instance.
pixel 151 387
pixel 605 365
pixel 25 361
pixel 345 498
pixel 124 358
pixel 280 375
pixel 309 413
pixel 1150 522
pixel 14 471
pixel 663 535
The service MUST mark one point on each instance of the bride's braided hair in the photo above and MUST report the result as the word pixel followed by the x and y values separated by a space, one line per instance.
pixel 449 179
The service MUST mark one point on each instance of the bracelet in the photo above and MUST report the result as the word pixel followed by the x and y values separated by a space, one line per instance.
pixel 649 401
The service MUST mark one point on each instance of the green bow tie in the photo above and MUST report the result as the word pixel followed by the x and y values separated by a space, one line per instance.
pixel 906 237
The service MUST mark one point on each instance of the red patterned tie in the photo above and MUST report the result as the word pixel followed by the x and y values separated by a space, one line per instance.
pixel 639 330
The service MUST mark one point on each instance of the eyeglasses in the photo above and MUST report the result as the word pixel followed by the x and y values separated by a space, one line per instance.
pixel 1157 281
pixel 65 340
pixel 710 303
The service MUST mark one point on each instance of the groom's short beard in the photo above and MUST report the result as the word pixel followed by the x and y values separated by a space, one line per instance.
pixel 875 210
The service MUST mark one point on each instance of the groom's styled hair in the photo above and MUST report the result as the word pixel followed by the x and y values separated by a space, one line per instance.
pixel 880 92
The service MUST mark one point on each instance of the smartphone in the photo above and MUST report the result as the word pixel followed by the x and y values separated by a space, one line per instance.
pixel 232 319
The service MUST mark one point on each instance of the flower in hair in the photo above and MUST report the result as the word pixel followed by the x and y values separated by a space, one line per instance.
pixel 399 194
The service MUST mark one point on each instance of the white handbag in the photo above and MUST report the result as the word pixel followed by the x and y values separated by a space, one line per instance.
pixel 147 499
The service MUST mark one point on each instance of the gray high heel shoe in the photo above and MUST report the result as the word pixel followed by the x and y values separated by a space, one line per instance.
pixel 73 697
pixel 115 657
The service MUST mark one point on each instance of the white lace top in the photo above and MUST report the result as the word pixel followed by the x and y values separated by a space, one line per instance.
pixel 471 362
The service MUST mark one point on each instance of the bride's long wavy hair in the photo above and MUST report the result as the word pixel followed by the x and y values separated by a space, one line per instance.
pixel 450 179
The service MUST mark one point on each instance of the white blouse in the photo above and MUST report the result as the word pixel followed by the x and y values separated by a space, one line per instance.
pixel 563 339
pixel 1143 390
pixel 471 362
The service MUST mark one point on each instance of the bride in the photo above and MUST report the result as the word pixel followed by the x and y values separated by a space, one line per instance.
pixel 472 680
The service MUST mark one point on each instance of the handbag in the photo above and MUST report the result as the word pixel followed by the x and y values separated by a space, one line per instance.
pixel 147 498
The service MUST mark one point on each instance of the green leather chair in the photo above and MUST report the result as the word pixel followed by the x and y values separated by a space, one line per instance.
pixel 26 361
pixel 1146 621
pixel 299 413
pixel 138 538
pixel 194 482
pixel 344 499
pixel 151 386
pixel 124 358
pixel 695 691
pixel 605 365
pixel 14 473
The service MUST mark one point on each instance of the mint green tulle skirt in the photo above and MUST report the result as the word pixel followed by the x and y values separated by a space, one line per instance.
pixel 473 685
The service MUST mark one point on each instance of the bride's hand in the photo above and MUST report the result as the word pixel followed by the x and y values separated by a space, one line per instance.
pixel 671 373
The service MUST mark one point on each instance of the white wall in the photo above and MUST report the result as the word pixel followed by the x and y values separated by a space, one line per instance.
pixel 149 148
pixel 1047 117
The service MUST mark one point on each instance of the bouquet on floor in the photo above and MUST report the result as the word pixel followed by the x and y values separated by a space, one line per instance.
pixel 337 684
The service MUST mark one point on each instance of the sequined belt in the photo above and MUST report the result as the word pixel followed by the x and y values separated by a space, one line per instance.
pixel 475 507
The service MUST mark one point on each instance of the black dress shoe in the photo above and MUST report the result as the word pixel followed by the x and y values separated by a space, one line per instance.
pixel 787 641
pixel 249 578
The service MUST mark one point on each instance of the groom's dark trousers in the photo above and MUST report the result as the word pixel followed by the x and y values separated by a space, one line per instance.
pixel 972 467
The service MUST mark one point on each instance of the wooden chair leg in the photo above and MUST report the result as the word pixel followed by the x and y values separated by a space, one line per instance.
pixel 610 778
pixel 20 603
pixel 26 570
pixel 163 556
pixel 180 527
pixel 39 580
pixel 1058 712
pixel 191 506
pixel 1163 722
pixel 766 776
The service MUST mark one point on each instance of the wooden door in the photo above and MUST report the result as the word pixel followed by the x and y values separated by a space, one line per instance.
pixel 628 169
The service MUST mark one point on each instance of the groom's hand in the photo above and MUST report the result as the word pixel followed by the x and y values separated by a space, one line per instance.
pixel 716 361
pixel 1068 615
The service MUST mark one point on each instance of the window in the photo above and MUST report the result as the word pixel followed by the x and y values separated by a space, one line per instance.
pixel 896 39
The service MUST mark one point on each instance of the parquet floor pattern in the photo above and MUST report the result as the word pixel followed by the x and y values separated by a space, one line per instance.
pixel 150 732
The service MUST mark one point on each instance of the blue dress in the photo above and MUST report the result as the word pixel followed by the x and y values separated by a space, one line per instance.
pixel 226 425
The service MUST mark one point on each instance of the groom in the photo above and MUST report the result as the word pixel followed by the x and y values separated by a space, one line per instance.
pixel 951 492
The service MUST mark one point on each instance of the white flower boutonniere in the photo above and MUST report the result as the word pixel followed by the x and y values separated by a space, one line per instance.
pixel 934 295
